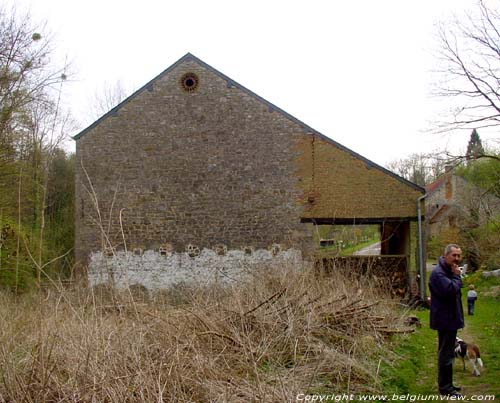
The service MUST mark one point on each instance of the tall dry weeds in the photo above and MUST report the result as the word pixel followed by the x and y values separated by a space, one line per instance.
pixel 265 340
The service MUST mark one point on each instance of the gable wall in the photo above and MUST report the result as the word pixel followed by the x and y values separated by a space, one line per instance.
pixel 211 167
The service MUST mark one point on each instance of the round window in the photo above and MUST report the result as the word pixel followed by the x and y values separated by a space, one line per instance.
pixel 189 82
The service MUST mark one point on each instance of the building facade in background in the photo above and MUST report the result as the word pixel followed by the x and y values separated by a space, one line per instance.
pixel 453 204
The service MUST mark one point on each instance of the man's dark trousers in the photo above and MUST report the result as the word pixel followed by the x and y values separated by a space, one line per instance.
pixel 446 355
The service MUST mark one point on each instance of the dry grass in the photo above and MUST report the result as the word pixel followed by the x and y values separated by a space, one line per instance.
pixel 282 333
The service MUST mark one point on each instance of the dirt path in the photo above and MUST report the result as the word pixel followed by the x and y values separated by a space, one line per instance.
pixel 370 250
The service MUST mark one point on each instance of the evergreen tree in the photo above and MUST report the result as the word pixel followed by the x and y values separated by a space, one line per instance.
pixel 475 147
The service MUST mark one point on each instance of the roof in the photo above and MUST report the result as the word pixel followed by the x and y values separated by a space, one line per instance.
pixel 305 127
pixel 432 187
pixel 440 212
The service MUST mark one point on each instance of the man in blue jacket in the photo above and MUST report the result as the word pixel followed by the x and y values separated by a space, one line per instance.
pixel 447 315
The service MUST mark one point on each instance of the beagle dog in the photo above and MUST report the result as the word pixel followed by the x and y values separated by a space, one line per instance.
pixel 471 351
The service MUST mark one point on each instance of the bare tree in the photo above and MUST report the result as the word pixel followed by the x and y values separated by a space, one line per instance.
pixel 26 72
pixel 469 56
pixel 107 98
pixel 421 169
pixel 468 59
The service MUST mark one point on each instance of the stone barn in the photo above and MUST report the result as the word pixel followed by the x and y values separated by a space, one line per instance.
pixel 195 178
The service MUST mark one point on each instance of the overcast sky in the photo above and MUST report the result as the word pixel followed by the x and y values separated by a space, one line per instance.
pixel 356 71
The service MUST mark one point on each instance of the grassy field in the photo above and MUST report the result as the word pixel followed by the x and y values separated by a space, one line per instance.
pixel 413 369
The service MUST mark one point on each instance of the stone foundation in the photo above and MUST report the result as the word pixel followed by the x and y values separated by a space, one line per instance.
pixel 155 270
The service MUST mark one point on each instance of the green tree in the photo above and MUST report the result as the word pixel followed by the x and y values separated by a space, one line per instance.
pixel 60 210
pixel 484 173
pixel 475 147
pixel 480 230
pixel 32 128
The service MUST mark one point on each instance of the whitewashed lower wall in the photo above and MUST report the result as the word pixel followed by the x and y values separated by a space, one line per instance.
pixel 156 271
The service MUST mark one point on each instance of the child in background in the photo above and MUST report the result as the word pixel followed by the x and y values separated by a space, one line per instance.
pixel 471 299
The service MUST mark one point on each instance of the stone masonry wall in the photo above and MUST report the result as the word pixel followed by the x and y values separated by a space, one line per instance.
pixel 180 172
pixel 178 180
pixel 155 270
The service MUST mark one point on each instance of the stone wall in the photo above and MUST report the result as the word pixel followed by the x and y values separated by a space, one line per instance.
pixel 155 270
pixel 210 168
pixel 193 163
pixel 448 206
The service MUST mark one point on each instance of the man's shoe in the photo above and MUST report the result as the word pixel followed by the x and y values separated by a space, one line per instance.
pixel 454 394
pixel 457 388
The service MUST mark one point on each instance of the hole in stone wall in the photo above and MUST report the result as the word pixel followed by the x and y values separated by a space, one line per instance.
pixel 137 251
pixel 165 249
pixel 189 82
pixel 192 251
pixel 248 250
pixel 220 249
pixel 275 249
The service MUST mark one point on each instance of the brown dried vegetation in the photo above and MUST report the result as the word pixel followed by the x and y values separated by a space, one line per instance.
pixel 285 332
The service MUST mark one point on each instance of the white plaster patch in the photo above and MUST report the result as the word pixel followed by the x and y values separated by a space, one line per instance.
pixel 155 270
